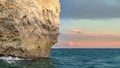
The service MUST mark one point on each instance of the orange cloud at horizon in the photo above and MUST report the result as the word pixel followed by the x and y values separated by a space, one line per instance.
pixel 85 39
pixel 87 33
pixel 89 44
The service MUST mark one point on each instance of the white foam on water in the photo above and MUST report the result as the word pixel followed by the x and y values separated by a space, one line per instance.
pixel 11 60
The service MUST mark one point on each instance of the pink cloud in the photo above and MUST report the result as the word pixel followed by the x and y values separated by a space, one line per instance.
pixel 87 39
pixel 76 31
pixel 89 44
pixel 84 39
pixel 88 33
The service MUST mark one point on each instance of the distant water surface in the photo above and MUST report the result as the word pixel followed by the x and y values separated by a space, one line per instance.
pixel 71 58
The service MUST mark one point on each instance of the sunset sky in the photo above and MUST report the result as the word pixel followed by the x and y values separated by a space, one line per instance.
pixel 89 24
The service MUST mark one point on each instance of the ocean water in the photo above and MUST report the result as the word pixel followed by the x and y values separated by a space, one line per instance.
pixel 69 58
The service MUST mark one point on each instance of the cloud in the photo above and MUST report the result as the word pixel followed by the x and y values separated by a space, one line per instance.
pixel 88 33
pixel 75 35
pixel 76 31
pixel 90 9
pixel 84 39
pixel 88 44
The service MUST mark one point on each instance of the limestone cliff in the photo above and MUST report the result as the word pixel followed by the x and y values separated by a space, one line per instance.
pixel 28 28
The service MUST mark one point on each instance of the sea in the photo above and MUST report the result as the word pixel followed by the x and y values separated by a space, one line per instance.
pixel 69 58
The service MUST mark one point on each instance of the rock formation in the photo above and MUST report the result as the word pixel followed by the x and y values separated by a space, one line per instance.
pixel 28 28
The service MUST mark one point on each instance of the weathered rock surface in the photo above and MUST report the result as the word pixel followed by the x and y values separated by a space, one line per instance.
pixel 28 28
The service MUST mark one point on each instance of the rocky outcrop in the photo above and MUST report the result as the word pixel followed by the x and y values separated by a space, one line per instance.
pixel 28 28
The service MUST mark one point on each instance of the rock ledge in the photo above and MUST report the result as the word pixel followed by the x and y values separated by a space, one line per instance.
pixel 28 28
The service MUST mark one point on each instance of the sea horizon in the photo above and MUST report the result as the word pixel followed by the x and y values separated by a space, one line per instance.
pixel 82 48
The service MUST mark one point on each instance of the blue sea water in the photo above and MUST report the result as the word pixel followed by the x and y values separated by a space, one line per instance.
pixel 71 58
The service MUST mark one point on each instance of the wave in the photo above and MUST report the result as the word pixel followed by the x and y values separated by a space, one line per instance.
pixel 10 59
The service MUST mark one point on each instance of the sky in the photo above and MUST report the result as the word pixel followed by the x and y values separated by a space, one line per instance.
pixel 89 24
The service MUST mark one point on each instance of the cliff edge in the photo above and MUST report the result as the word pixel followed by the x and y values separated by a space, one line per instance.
pixel 28 28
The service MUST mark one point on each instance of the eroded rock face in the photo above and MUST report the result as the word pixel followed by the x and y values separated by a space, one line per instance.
pixel 28 28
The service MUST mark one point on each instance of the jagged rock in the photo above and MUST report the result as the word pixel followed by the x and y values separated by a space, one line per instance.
pixel 28 28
